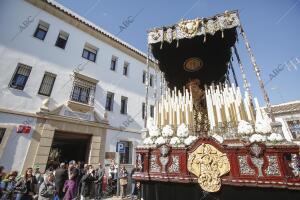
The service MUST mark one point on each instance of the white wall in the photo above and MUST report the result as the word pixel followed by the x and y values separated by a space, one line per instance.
pixel 45 56
pixel 17 145
pixel 21 47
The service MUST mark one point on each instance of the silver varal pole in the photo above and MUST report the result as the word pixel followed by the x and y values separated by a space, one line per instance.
pixel 257 73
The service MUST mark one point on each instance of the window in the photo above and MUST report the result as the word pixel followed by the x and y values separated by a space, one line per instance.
pixel 113 63
pixel 47 84
pixel 89 52
pixel 125 68
pixel 109 101
pixel 143 110
pixel 124 105
pixel 2 132
pixel 62 39
pixel 151 80
pixel 41 30
pixel 151 111
pixel 144 76
pixel 20 77
pixel 294 127
pixel 126 157
pixel 83 91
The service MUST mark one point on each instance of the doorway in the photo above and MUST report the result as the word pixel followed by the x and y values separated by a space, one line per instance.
pixel 68 146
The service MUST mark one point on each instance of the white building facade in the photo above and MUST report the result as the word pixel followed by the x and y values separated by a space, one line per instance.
pixel 69 90
pixel 289 115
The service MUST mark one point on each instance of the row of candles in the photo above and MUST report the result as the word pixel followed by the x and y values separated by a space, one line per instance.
pixel 174 108
pixel 225 105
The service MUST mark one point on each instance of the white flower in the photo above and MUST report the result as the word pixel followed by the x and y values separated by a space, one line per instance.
pixel 218 138
pixel 167 131
pixel 175 141
pixel 148 141
pixel 262 127
pixel 182 130
pixel 150 123
pixel 257 138
pixel 160 140
pixel 245 128
pixel 275 137
pixel 154 132
pixel 190 139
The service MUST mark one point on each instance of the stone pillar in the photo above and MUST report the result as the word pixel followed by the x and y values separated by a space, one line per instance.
pixel 44 147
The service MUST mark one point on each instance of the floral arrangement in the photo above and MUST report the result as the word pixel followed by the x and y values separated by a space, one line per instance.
pixel 245 128
pixel 218 138
pixel 182 131
pixel 257 138
pixel 167 131
pixel 160 140
pixel 175 141
pixel 262 127
pixel 189 140
pixel 275 137
pixel 148 141
pixel 154 132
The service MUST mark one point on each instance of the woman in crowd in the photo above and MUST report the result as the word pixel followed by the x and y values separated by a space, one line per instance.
pixel 26 186
pixel 8 186
pixel 69 189
pixel 87 183
pixel 2 175
pixel 47 189
pixel 123 181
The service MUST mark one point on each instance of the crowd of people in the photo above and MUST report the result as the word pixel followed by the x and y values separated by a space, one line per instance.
pixel 69 181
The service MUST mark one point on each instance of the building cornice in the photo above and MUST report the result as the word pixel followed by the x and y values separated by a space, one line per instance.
pixel 44 115
pixel 86 26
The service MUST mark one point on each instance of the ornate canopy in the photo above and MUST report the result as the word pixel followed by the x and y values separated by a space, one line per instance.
pixel 195 49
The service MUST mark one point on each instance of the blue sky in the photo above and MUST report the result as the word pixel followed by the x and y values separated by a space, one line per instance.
pixel 272 27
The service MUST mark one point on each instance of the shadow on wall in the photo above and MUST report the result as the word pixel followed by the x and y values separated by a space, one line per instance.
pixel 115 118
pixel 15 151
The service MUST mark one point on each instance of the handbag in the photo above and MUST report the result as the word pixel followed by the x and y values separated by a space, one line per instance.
pixel 123 181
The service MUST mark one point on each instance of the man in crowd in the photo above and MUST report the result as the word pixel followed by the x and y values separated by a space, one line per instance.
pixel 99 181
pixel 61 175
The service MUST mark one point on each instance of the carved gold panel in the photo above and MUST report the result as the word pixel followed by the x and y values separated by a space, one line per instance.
pixel 208 164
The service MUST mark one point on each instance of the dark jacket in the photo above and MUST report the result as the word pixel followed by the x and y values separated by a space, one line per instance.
pixel 61 175
pixel 86 186
pixel 25 186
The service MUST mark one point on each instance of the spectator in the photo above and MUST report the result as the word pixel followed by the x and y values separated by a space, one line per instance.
pixel 87 182
pixel 99 181
pixel 47 189
pixel 73 172
pixel 69 189
pixel 61 175
pixel 112 178
pixel 2 176
pixel 8 186
pixel 123 181
pixel 133 183
pixel 26 186
pixel 38 176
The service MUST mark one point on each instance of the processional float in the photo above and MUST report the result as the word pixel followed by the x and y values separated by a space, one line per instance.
pixel 208 139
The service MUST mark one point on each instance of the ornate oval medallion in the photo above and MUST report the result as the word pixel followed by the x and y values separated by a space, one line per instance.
pixel 192 64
